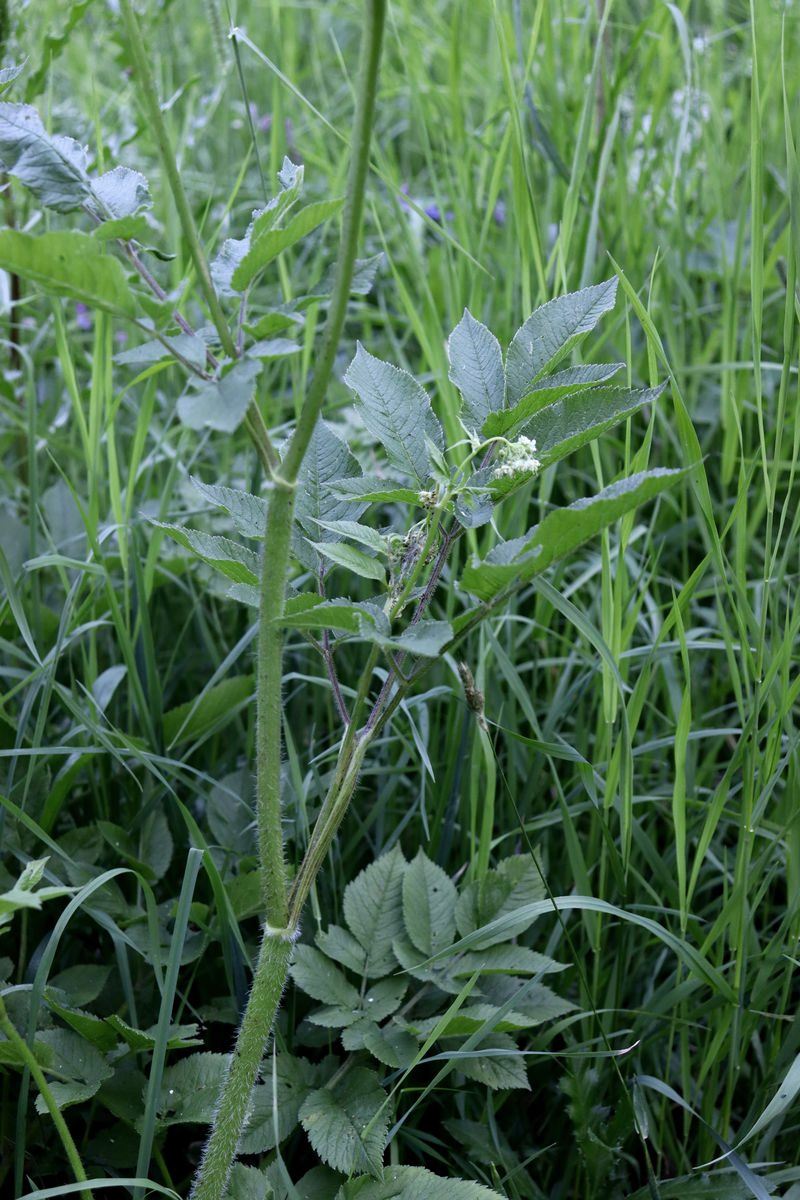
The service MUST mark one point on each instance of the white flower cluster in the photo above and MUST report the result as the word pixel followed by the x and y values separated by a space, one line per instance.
pixel 517 458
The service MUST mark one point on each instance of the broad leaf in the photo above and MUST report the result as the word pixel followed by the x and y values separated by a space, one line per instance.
pixel 54 168
pixel 347 1123
pixel 505 1068
pixel 342 947
pixel 277 1101
pixel 352 559
pixel 425 639
pixel 265 247
pixel 122 192
pixel 562 531
pixel 78 1067
pixel 395 410
pixel 221 403
pixel 548 391
pixel 248 513
pixel 183 346
pixel 373 909
pixel 372 490
pixel 414 1183
pixel 236 562
pixel 429 900
pixel 312 612
pixel 562 428
pixel 550 332
pixel 69 264
pixel 319 978
pixel 214 707
pixel 515 882
pixel 476 368
pixel 190 1089
pixel 234 250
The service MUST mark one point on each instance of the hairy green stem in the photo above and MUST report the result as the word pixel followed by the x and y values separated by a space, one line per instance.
pixel 269 981
pixel 273 963
pixel 29 1059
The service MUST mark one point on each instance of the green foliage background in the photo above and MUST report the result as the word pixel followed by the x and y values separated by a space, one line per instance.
pixel 641 705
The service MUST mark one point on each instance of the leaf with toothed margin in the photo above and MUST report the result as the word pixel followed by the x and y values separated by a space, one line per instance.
pixel 234 250
pixel 373 910
pixel 53 168
pixel 562 531
pixel 546 392
pixel 185 346
pixel 476 368
pixel 414 1183
pixel 550 332
pixel 395 410
pixel 265 247
pixel 248 513
pixel 372 490
pixel 234 561
pixel 347 1123
pixel 562 428
pixel 352 559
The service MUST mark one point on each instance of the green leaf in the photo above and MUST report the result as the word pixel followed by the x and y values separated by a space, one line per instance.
pixel 221 403
pixel 347 1124
pixel 352 559
pixel 121 192
pixel 505 959
pixel 326 459
pixel 276 320
pixel 364 272
pixel 91 1028
pixel 312 612
pixel 265 247
pixel 373 909
pixel 504 1069
pixel 548 391
pixel 230 814
pixel 562 531
pixel 357 533
pixel 391 1046
pixel 473 1017
pixel 148 851
pixel 278 1101
pixel 476 368
pixel 373 490
pixel 83 983
pixel 180 1037
pixel 515 883
pixel 69 264
pixel 54 168
pixel 550 332
pixel 26 892
pixel 185 346
pixel 248 513
pixel 562 428
pixel 214 707
pixel 234 561
pixel 425 638
pixel 414 1183
pixel 429 900
pixel 78 1068
pixel 233 250
pixel 319 978
pixel 395 410
pixel 128 229
pixel 273 348
pixel 342 947
pixel 190 1089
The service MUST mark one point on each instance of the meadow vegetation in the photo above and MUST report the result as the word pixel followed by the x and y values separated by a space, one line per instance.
pixel 399 618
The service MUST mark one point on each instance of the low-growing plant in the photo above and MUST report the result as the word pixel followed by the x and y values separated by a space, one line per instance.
pixel 342 549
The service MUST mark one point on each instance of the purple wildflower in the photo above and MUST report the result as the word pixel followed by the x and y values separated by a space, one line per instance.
pixel 83 318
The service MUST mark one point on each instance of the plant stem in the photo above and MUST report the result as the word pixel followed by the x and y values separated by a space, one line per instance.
pixel 152 109
pixel 254 421
pixel 269 980
pixel 29 1059
pixel 273 963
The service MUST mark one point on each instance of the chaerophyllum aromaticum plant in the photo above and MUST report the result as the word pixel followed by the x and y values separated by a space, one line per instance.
pixel 341 555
